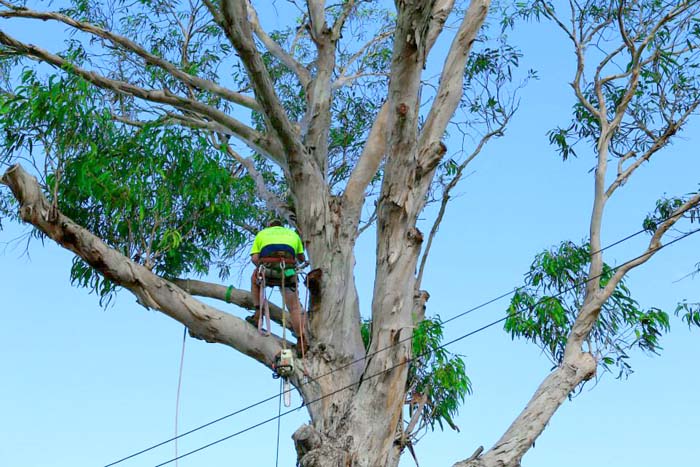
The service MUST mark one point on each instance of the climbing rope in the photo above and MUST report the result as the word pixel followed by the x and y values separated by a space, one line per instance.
pixel 179 386
pixel 279 414
pixel 304 320
pixel 264 306
pixel 284 305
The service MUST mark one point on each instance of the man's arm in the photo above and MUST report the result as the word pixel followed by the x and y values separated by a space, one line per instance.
pixel 255 258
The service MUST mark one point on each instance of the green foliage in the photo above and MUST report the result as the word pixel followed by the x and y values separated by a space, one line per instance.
pixel 544 309
pixel 434 373
pixel 8 207
pixel 162 196
pixel 664 210
pixel 689 312
pixel 651 106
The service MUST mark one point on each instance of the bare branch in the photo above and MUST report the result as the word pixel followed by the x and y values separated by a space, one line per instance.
pixel 241 298
pixel 441 11
pixel 337 28
pixel 450 90
pixel 580 59
pixel 273 202
pixel 367 165
pixel 275 49
pixel 342 80
pixel 346 80
pixel 446 195
pixel 659 143
pixel 233 19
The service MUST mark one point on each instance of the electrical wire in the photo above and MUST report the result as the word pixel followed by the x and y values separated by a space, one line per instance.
pixel 468 311
pixel 332 393
pixel 464 336
pixel 342 367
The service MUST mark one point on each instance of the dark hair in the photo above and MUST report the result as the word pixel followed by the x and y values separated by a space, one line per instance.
pixel 275 223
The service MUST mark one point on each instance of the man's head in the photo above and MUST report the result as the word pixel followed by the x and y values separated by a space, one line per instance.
pixel 275 223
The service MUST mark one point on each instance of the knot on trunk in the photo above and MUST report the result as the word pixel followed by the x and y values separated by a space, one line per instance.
pixel 586 366
pixel 315 450
pixel 306 439
pixel 415 236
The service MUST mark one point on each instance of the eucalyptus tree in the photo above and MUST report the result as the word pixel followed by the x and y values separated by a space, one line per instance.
pixel 163 134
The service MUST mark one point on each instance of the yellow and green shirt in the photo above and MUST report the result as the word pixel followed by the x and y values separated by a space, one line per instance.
pixel 277 236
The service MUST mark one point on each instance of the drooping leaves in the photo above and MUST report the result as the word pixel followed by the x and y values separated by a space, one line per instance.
pixel 434 375
pixel 544 309
pixel 162 196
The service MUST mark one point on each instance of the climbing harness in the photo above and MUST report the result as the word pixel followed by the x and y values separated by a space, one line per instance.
pixel 274 270
pixel 283 365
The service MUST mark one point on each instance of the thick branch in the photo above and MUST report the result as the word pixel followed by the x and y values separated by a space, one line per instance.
pixel 234 21
pixel 520 436
pixel 450 90
pixel 576 367
pixel 441 11
pixel 367 165
pixel 317 17
pixel 241 298
pixel 131 46
pixel 252 138
pixel 152 291
pixel 275 49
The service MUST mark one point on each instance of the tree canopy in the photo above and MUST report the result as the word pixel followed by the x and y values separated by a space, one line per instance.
pixel 164 135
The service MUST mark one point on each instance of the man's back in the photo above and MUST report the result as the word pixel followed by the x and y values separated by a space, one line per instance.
pixel 277 235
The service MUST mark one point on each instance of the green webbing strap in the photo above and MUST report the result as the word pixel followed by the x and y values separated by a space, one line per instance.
pixel 228 293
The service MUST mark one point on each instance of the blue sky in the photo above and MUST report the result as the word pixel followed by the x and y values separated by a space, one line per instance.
pixel 84 386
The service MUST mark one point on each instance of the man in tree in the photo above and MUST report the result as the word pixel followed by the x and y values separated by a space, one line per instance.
pixel 339 112
pixel 276 250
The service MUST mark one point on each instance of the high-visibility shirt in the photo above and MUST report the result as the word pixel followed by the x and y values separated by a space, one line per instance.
pixel 277 236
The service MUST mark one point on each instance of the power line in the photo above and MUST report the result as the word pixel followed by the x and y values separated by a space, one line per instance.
pixel 464 336
pixel 251 406
pixel 342 367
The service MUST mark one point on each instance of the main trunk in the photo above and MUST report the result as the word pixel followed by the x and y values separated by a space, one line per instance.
pixel 355 403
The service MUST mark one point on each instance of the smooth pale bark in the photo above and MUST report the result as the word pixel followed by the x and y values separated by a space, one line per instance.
pixel 203 321
pixel 518 439
pixel 357 426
